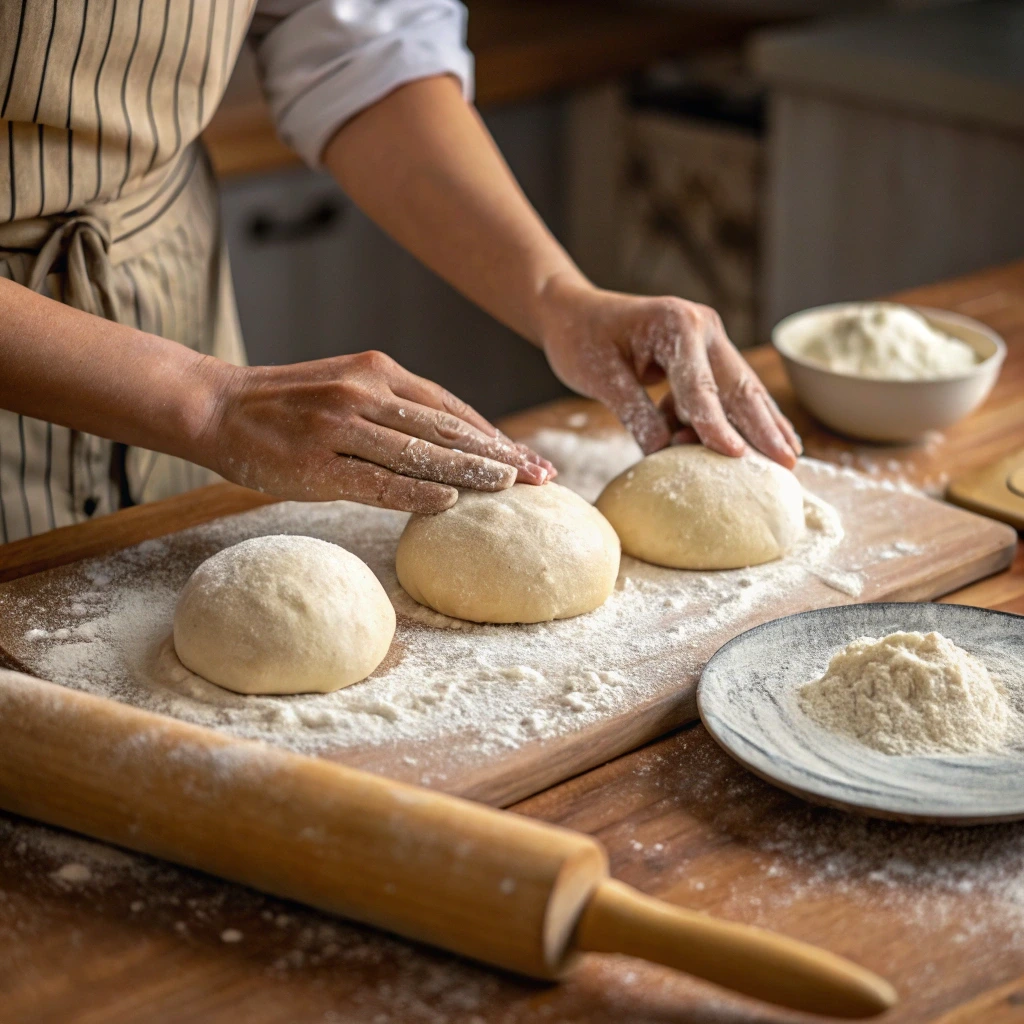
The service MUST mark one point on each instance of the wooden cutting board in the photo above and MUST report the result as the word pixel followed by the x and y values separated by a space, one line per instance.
pixel 898 545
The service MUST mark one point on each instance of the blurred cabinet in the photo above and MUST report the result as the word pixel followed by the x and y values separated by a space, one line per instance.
pixel 666 187
pixel 895 151
pixel 849 158
pixel 315 278
pixel 691 203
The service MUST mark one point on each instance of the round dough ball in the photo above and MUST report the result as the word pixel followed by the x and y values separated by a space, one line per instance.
pixel 283 615
pixel 688 507
pixel 526 554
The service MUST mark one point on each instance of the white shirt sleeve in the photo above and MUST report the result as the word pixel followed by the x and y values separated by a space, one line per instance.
pixel 323 61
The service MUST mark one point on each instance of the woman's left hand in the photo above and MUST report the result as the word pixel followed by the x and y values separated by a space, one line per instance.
pixel 608 346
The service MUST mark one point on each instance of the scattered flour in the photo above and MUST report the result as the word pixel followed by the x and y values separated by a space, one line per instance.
pixel 908 886
pixel 921 460
pixel 586 463
pixel 482 688
pixel 940 888
pixel 73 873
pixel 910 693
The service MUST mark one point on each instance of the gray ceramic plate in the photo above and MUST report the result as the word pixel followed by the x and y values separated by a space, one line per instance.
pixel 747 700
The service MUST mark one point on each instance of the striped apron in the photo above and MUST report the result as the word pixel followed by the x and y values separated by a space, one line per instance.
pixel 108 204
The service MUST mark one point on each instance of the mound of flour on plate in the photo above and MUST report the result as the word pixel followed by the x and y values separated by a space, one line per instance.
pixel 910 693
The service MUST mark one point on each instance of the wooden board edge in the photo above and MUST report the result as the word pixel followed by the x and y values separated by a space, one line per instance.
pixel 125 528
pixel 965 500
pixel 985 564
pixel 1001 1005
pixel 605 741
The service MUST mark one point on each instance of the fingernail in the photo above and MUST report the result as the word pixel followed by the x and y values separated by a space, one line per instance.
pixel 536 474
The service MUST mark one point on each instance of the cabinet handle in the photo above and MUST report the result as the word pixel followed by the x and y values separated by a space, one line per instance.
pixel 317 219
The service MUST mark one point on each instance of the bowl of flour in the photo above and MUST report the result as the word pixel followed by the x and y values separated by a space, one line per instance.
pixel 884 372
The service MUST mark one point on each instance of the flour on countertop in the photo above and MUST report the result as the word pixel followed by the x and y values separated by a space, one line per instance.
pixel 483 688
pixel 922 459
pixel 344 973
pixel 955 886
pixel 943 885
pixel 585 463
pixel 73 873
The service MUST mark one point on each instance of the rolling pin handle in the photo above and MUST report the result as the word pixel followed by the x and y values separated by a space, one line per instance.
pixel 759 963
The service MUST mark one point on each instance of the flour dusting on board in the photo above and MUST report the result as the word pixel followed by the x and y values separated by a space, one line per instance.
pixel 487 688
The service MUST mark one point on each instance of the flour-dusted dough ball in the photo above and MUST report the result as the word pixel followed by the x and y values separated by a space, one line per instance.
pixel 283 615
pixel 688 507
pixel 526 554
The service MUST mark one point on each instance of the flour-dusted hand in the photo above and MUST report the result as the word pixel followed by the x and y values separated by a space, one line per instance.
pixel 363 428
pixel 608 345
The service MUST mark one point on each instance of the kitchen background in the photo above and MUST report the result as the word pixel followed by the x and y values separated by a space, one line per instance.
pixel 758 156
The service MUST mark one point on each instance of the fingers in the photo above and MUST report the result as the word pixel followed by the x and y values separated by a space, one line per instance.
pixel 682 433
pixel 748 409
pixel 418 389
pixel 448 431
pixel 532 456
pixel 696 396
pixel 414 457
pixel 719 395
pixel 749 406
pixel 425 393
pixel 784 425
pixel 356 480
pixel 620 390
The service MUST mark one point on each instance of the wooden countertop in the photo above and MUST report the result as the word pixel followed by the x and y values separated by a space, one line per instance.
pixel 523 49
pixel 940 912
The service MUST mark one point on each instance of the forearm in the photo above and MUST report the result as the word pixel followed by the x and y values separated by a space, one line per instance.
pixel 423 166
pixel 80 371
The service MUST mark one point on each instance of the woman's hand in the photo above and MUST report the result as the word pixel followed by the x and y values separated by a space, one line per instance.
pixel 358 427
pixel 608 346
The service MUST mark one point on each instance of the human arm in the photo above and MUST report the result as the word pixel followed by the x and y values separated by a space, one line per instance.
pixel 377 92
pixel 357 427
pixel 421 163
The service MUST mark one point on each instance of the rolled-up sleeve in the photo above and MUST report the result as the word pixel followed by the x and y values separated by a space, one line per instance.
pixel 323 61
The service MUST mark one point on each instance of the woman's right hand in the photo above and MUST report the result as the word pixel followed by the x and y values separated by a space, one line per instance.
pixel 358 427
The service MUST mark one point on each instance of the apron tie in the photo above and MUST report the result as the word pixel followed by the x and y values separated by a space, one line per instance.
pixel 80 247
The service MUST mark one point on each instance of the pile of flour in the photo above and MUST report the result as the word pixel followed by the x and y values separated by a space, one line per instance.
pixel 889 342
pixel 910 693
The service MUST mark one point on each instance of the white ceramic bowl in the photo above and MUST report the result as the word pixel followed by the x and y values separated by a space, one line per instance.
pixel 888 410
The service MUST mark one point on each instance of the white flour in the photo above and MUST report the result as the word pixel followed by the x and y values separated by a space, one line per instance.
pixel 483 689
pixel 885 341
pixel 910 693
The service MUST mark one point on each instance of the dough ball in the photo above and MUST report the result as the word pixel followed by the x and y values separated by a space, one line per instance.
pixel 283 615
pixel 688 507
pixel 525 554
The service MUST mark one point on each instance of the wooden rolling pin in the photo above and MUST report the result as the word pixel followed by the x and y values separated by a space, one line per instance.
pixel 489 884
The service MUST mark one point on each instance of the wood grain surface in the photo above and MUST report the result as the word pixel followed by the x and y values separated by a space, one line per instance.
pixel 937 911
pixel 949 547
